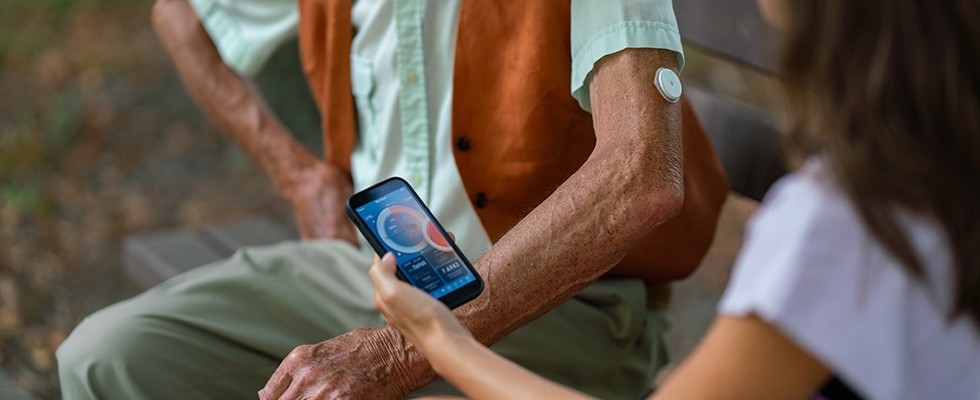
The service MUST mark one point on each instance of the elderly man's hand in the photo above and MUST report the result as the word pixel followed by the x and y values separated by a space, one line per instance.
pixel 318 194
pixel 355 365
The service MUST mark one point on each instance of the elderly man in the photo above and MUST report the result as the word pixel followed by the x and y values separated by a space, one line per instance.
pixel 535 127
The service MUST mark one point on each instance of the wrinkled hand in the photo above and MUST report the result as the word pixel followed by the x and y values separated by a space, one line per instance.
pixel 318 195
pixel 416 314
pixel 355 365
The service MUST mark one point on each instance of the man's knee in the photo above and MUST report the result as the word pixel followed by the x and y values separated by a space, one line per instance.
pixel 100 354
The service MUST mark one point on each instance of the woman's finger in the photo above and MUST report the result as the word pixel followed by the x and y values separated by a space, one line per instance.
pixel 387 264
pixel 378 271
pixel 385 283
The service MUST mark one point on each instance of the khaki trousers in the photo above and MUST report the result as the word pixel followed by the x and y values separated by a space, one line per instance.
pixel 219 331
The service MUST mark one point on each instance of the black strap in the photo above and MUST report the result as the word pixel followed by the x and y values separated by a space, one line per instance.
pixel 836 389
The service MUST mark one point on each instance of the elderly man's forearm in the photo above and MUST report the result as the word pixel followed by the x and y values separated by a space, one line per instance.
pixel 232 103
pixel 632 182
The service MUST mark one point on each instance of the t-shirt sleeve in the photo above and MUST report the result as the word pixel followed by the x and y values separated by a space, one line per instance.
pixel 807 268
pixel 603 27
pixel 812 270
pixel 247 32
pixel 785 263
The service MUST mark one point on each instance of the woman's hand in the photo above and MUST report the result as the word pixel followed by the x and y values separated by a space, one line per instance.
pixel 451 350
pixel 416 314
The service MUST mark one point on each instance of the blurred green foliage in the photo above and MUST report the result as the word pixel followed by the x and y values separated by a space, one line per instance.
pixel 25 199
pixel 29 140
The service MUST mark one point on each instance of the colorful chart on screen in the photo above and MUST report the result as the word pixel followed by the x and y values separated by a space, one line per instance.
pixel 402 229
pixel 435 238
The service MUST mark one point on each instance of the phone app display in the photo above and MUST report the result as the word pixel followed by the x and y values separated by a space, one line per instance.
pixel 423 254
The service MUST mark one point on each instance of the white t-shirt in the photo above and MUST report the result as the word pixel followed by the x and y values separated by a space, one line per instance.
pixel 812 270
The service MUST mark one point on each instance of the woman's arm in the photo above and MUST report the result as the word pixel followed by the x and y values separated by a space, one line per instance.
pixel 745 358
pixel 451 349
pixel 740 358
pixel 482 374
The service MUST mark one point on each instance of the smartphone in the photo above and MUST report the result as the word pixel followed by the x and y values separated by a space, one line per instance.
pixel 393 219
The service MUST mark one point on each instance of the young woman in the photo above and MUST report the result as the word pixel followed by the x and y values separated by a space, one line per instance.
pixel 864 264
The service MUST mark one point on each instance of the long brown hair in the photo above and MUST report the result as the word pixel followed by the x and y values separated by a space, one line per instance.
pixel 888 93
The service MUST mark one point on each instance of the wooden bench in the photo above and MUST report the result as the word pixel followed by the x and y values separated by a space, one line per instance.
pixel 152 258
pixel 745 137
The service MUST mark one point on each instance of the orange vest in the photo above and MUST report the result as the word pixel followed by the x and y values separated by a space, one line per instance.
pixel 517 131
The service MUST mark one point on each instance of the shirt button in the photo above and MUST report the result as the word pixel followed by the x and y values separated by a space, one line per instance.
pixel 480 200
pixel 463 143
pixel 412 77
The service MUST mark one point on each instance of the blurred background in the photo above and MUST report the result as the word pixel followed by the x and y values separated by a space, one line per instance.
pixel 99 140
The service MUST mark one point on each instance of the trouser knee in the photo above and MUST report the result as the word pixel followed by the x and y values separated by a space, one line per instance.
pixel 97 355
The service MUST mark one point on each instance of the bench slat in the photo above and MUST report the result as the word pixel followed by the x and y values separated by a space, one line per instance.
pixel 155 257
pixel 746 140
pixel 733 29
pixel 254 231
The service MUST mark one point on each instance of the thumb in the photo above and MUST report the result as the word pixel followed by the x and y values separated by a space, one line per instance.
pixel 382 270
pixel 387 264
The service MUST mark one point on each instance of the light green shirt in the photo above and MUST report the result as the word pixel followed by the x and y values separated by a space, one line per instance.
pixel 603 27
pixel 401 77
pixel 247 32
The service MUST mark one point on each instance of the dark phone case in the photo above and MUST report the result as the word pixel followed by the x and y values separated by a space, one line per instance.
pixel 449 300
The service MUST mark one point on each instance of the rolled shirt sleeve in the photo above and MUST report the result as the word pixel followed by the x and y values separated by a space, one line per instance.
pixel 603 27
pixel 246 33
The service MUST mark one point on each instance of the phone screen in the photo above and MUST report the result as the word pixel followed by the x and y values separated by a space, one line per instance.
pixel 423 254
